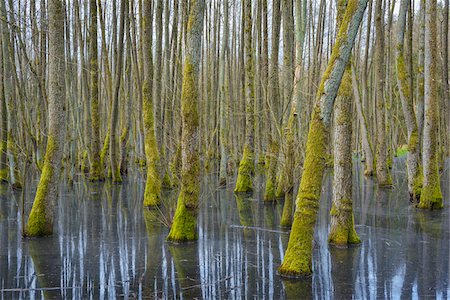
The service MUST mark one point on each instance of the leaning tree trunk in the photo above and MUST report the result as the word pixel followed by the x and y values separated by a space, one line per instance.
pixel 342 225
pixel 185 220
pixel 383 175
pixel 403 80
pixel 298 257
pixel 153 183
pixel 40 222
pixel 247 164
pixel 431 196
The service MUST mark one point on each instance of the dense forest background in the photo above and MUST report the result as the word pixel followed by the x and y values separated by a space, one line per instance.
pixel 176 89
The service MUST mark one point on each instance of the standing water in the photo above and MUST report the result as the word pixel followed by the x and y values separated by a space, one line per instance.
pixel 107 246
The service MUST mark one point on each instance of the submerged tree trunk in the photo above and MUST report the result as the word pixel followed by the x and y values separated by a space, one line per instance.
pixel 247 165
pixel 153 182
pixel 185 220
pixel 298 257
pixel 40 222
pixel 403 79
pixel 342 225
pixel 431 195
pixel 383 174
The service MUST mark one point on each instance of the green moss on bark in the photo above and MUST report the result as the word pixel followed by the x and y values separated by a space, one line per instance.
pixel 343 233
pixel 298 258
pixel 39 223
pixel 244 182
pixel 184 227
pixel 431 194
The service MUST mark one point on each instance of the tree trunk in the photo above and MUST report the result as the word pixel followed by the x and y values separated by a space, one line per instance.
pixel 153 183
pixel 185 220
pixel 298 258
pixel 40 222
pixel 272 103
pixel 383 174
pixel 96 172
pixel 113 141
pixel 247 165
pixel 223 100
pixel 404 80
pixel 431 196
pixel 342 227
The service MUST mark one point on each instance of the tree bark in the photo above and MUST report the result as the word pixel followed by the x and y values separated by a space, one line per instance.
pixel 342 227
pixel 247 165
pixel 40 222
pixel 383 174
pixel 431 195
pixel 406 97
pixel 185 220
pixel 298 258
pixel 153 183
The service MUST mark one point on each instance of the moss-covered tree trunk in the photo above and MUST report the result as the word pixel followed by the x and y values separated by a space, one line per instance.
pixel 383 174
pixel 153 183
pixel 342 229
pixel 40 222
pixel 3 117
pixel 96 171
pixel 185 220
pixel 431 195
pixel 404 84
pixel 244 183
pixel 298 257
pixel 290 130
pixel 113 140
pixel 223 100
pixel 272 103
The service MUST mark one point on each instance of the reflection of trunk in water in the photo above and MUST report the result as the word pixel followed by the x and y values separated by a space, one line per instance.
pixel 245 215
pixel 187 270
pixel 46 267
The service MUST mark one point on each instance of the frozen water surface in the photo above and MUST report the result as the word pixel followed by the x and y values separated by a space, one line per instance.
pixel 106 246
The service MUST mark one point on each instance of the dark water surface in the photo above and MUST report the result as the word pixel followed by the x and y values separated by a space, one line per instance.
pixel 107 246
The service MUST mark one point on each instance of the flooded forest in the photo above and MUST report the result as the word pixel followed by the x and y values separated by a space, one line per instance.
pixel 224 149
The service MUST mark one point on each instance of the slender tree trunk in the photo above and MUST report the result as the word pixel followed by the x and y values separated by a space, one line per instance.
pixel 365 140
pixel 404 80
pixel 96 172
pixel 298 258
pixel 153 183
pixel 342 225
pixel 185 220
pixel 383 174
pixel 223 99
pixel 290 130
pixel 40 222
pixel 273 103
pixel 113 141
pixel 3 114
pixel 431 195
pixel 247 165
